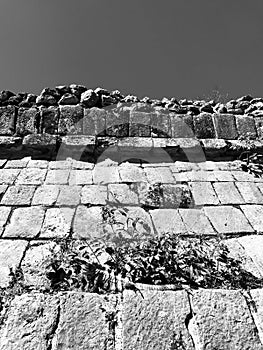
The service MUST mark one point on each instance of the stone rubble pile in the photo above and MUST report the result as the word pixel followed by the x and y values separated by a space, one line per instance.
pixel 78 94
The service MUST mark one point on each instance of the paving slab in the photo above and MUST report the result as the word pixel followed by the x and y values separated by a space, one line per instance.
pixel 18 195
pixel 57 223
pixel 8 176
pixel 31 176
pixel 254 214
pixel 224 320
pixel 69 195
pixel 11 253
pixel 46 195
pixel 25 222
pixel 88 222
pixel 167 221
pixel 250 192
pixel 94 194
pixel 122 194
pixel 105 175
pixel 196 222
pixel 4 214
pixel 155 321
pixel 203 193
pixel 227 193
pixel 228 220
pixel 253 246
pixel 57 177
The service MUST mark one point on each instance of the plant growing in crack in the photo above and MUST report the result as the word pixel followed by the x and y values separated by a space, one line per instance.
pixel 252 161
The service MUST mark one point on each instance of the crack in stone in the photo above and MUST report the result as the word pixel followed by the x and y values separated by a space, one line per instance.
pixel 192 326
pixel 51 335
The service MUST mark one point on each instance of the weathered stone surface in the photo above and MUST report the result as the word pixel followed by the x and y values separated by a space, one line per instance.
pixel 27 121
pixel 89 98
pixel 7 120
pixel 140 124
pixel 69 196
pixel 227 219
pixel 156 320
pixel 167 221
pixel 57 223
pixel 18 195
pixel 68 99
pixel 250 192
pixel 259 126
pixel 105 175
pixel 224 321
pixel 45 195
pixel 17 163
pixel 4 214
pixel 8 176
pixel 34 264
pixel 196 222
pixel 71 120
pixel 223 175
pixel 161 124
pixel 179 128
pixel 225 126
pixel 80 177
pixel 243 176
pixel 94 122
pixel 228 193
pixel 117 123
pixel 201 176
pixel 83 323
pixel 203 193
pixel 159 174
pixel 131 173
pixel 49 118
pixel 94 194
pixel 31 322
pixel 11 253
pixel 257 311
pixel 204 127
pixel 25 222
pixel 88 222
pixel 57 176
pixel 31 176
pixel 253 246
pixel 246 126
pixel 122 194
pixel 36 163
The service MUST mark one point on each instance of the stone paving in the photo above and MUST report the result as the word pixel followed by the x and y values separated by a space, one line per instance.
pixel 42 201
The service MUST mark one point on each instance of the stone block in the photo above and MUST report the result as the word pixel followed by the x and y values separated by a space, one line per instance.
pixel 223 321
pixel 254 214
pixel 30 322
pixel 69 196
pixel 140 124
pixel 71 120
pixel 246 126
pixel 131 173
pixel 228 220
pixel 227 193
pixel 18 195
pixel 223 175
pixel 179 127
pixel 83 322
pixel 167 221
pixel 196 222
pixel 203 193
pixel 259 126
pixel 250 192
pixel 8 176
pixel 155 321
pixel 46 195
pixel 94 122
pixel 17 163
pixel 49 118
pixel 122 194
pixel 161 124
pixel 88 222
pixel 36 163
pixel 25 222
pixel 11 253
pixel 117 123
pixel 80 177
pixel 31 176
pixel 243 176
pixel 105 175
pixel 57 223
pixel 225 126
pixel 253 246
pixel 7 120
pixel 94 194
pixel 28 120
pixel 4 215
pixel 57 177
pixel 159 175
pixel 204 126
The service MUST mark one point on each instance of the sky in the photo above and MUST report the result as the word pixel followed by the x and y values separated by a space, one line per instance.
pixel 155 48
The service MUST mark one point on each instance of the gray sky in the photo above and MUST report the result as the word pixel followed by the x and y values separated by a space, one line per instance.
pixel 155 48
